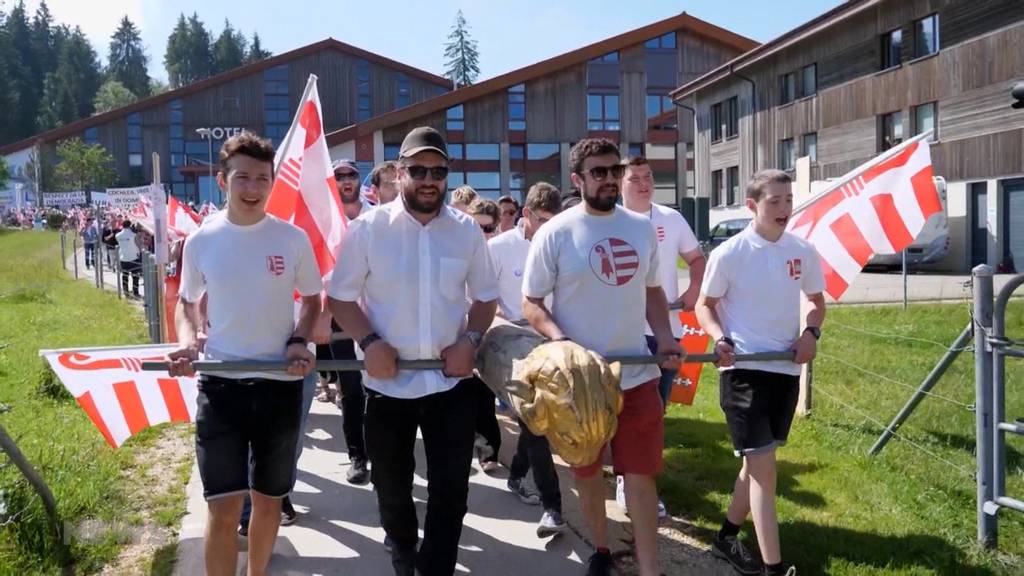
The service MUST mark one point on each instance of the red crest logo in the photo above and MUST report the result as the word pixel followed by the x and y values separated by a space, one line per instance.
pixel 275 265
pixel 794 268
pixel 614 261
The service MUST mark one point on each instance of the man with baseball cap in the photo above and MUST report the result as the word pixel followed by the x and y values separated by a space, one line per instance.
pixel 346 174
pixel 401 293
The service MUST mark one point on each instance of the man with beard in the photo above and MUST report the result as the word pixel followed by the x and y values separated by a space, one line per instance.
pixel 599 262
pixel 346 174
pixel 400 291
pixel 384 182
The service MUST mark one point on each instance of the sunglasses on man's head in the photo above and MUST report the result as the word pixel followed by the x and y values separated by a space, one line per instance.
pixel 437 173
pixel 339 176
pixel 600 173
pixel 489 229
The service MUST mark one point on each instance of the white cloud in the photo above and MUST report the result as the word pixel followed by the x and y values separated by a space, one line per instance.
pixel 98 20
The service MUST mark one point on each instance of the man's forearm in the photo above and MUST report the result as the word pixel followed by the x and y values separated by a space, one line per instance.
pixel 309 312
pixel 351 318
pixel 657 313
pixel 481 315
pixel 816 313
pixel 696 267
pixel 186 322
pixel 540 319
pixel 708 318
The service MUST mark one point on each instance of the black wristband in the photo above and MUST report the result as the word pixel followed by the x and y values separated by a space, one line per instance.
pixel 562 339
pixel 367 340
pixel 296 340
pixel 727 340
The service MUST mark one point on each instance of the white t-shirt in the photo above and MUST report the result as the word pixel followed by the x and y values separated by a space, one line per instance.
pixel 675 237
pixel 127 249
pixel 508 252
pixel 598 268
pixel 758 284
pixel 251 274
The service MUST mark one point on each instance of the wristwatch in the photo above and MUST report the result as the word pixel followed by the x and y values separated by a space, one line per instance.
pixel 815 331
pixel 727 340
pixel 367 340
pixel 474 337
pixel 296 340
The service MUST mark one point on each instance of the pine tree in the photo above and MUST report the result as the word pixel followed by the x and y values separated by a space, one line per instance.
pixel 127 60
pixel 256 51
pixel 10 70
pixel 463 65
pixel 21 75
pixel 188 58
pixel 175 57
pixel 69 91
pixel 44 38
pixel 112 95
pixel 229 49
pixel 199 48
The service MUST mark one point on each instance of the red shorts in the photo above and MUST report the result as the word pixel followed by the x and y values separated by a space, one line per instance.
pixel 638 442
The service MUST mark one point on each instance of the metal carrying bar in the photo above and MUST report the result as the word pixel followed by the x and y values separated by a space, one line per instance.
pixel 356 365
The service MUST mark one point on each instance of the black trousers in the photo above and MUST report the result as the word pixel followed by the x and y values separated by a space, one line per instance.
pixel 131 268
pixel 353 400
pixel 534 452
pixel 446 421
pixel 90 255
pixel 486 419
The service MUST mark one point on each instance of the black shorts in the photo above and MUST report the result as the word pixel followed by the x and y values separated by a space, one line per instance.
pixel 759 408
pixel 339 350
pixel 236 416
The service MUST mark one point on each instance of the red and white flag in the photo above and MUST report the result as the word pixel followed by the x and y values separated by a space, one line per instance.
pixel 304 191
pixel 181 220
pixel 878 208
pixel 117 395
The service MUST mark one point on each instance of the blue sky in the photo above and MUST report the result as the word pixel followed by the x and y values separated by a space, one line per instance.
pixel 510 34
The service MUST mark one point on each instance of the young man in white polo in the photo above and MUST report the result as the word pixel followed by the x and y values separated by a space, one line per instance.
pixel 249 264
pixel 509 251
pixel 675 240
pixel 750 302
pixel 599 262
pixel 400 290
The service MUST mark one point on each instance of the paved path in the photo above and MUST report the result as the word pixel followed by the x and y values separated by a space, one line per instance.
pixel 109 276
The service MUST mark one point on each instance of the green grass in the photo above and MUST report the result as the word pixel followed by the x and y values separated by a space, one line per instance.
pixel 42 307
pixel 904 511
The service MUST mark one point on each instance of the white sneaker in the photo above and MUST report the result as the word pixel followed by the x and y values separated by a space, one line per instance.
pixel 620 493
pixel 662 512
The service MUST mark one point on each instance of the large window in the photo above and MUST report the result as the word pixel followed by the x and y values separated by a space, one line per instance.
pixel 135 148
pixel 92 135
pixel 924 120
pixel 482 152
pixel 809 85
pixel 717 198
pixel 486 184
pixel 787 88
pixel 537 151
pixel 891 130
pixel 892 44
pixel 517 107
pixel 658 104
pixel 716 122
pixel 732 116
pixel 667 41
pixel 276 110
pixel 364 103
pixel 455 118
pixel 603 112
pixel 809 146
pixel 926 36
pixel 403 97
pixel 732 185
pixel 787 154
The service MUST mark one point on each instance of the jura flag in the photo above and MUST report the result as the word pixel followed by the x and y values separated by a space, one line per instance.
pixel 304 191
pixel 181 220
pixel 878 208
pixel 117 395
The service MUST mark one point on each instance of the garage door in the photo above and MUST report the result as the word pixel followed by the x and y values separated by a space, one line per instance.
pixel 1013 210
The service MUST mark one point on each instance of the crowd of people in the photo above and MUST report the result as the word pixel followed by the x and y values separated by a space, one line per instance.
pixel 417 278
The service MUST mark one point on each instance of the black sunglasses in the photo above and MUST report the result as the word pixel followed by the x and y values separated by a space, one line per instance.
pixel 339 176
pixel 489 229
pixel 437 173
pixel 599 173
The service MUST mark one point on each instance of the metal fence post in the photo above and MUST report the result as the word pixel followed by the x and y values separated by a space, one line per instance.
pixel 987 530
pixel 117 273
pixel 63 250
pixel 74 254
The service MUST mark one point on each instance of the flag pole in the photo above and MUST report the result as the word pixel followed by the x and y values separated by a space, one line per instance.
pixel 160 243
pixel 279 157
pixel 849 175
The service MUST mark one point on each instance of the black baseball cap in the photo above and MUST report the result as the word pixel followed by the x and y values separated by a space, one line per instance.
pixel 423 139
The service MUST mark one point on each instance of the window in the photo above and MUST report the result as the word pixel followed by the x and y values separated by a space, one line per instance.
pixel 134 130
pixel 926 36
pixel 455 118
pixel 455 151
pixel 609 57
pixel 892 130
pixel 924 120
pixel 667 41
pixel 636 149
pixel 787 154
pixel 809 147
pixel 391 151
pixel 717 197
pixel 482 152
pixel 404 96
pixel 486 184
pixel 135 160
pixel 810 80
pixel 276 110
pixel 892 44
pixel 787 88
pixel 542 151
pixel 716 122
pixel 229 104
pixel 517 107
pixel 732 185
pixel 602 111
pixel 517 152
pixel 732 116
pixel 663 164
pixel 364 103
pixel 92 135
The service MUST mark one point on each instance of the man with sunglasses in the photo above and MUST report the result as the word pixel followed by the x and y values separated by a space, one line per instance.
pixel 509 212
pixel 400 291
pixel 599 263
pixel 346 174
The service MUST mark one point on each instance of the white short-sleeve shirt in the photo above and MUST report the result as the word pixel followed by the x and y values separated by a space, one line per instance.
pixel 251 274
pixel 509 251
pixel 758 285
pixel 598 269
pixel 675 237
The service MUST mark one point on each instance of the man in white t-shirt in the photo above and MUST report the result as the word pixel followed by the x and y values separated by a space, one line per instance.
pixel 750 302
pixel 130 257
pixel 249 264
pixel 599 262
pixel 509 251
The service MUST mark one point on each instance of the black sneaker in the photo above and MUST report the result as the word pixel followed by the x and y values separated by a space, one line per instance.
pixel 600 564
pixel 518 487
pixel 288 514
pixel 791 571
pixel 357 473
pixel 404 564
pixel 735 553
